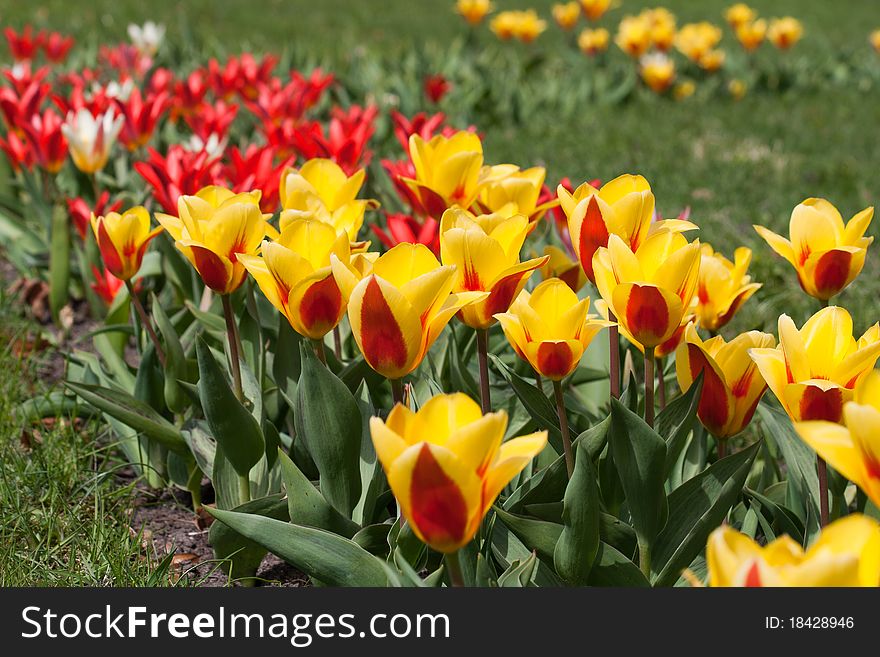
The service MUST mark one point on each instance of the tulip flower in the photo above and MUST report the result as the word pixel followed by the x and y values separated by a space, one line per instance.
pixel 732 384
pixel 81 212
pixel 91 138
pixel 404 228
pixel 723 286
pixel 560 265
pixel 528 26
pixel 566 14
pixel 712 61
pixel 847 553
pixel 550 329
pixel 45 134
pixel 179 172
pixel 633 36
pixel 648 291
pixel 751 35
pixel 18 152
pixel 294 273
pixel 874 40
pixel 593 41
pixel 826 254
pixel 320 189
pixel 696 40
pixel 595 9
pixel 446 464
pixel 507 189
pixel 739 14
pixel 473 11
pixel 255 168
pixel 344 141
pixel 661 24
pixel 657 71
pixel 140 117
pixel 785 32
pixel 398 306
pixel 813 372
pixel 146 38
pixel 24 46
pixel 485 251
pixel 436 87
pixel 105 285
pixel 853 448
pixel 56 46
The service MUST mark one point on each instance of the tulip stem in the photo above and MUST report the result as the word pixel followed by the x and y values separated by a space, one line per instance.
pixel 563 428
pixel 721 447
pixel 232 335
pixel 337 343
pixel 539 382
pixel 614 357
pixel 649 386
pixel 645 559
pixel 661 384
pixel 453 566
pixel 145 320
pixel 396 390
pixel 823 490
pixel 244 489
pixel 319 351
pixel 483 356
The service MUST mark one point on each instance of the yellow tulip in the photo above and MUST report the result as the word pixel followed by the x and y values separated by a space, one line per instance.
pixel 737 89
pixel 473 11
pixel 447 171
pixel 648 291
pixel 826 254
pixel 732 384
pixel 485 251
pixel 320 189
pixel 560 265
pixel 528 26
pixel 633 36
pixel 853 449
pixel 123 240
pixel 446 464
pixel 294 273
pixel 595 9
pixel 696 40
pixel 507 189
pixel 874 39
pixel 213 228
pixel 814 370
pixel 751 35
pixel 723 287
pixel 739 14
pixel 593 41
pixel 550 328
pixel 657 71
pixel 398 305
pixel 661 23
pixel 785 32
pixel 504 25
pixel 684 90
pixel 847 553
pixel 712 60
pixel 566 14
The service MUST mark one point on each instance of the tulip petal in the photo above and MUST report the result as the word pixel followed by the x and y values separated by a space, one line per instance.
pixel 443 415
pixel 778 243
pixel 216 270
pixel 555 359
pixel 651 314
pixel 512 457
pixel 816 400
pixel 389 444
pixel 588 231
pixel 476 443
pixel 317 304
pixel 857 226
pixel 833 442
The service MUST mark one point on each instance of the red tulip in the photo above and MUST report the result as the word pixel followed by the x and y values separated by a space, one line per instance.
pixel 18 151
pixel 106 285
pixel 420 124
pixel 275 104
pixel 161 81
pixel 56 46
pixel 404 228
pixel 436 86
pixel 49 146
pixel 397 170
pixel 189 95
pixel 179 172
pixel 345 141
pixel 126 59
pixel 211 119
pixel 256 169
pixel 81 212
pixel 24 46
pixel 18 106
pixel 141 117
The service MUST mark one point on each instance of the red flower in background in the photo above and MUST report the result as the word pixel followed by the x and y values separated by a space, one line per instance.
pixel 211 119
pixel 161 81
pixel 189 95
pixel 141 117
pixel 404 228
pixel 345 141
pixel 18 151
pixel 81 213
pixel 22 101
pixel 24 46
pixel 275 104
pixel 48 144
pixel 397 169
pixel 96 100
pixel 56 46
pixel 256 169
pixel 106 285
pixel 436 86
pixel 126 59
pixel 20 76
pixel 178 172
pixel 421 124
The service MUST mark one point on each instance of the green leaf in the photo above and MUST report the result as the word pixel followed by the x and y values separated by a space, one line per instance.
pixel 538 535
pixel 241 555
pixel 697 507
pixel 579 541
pixel 328 421
pixel 175 359
pixel 519 574
pixel 640 456
pixel 59 261
pixel 307 506
pixel 675 422
pixel 131 412
pixel 322 555
pixel 236 431
pixel 611 568
pixel 536 403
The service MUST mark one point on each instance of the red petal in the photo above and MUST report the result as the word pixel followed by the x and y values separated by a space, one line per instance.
pixel 646 312
pixel 593 235
pixel 818 404
pixel 321 305
pixel 713 409
pixel 831 273
pixel 381 338
pixel 554 359
pixel 438 508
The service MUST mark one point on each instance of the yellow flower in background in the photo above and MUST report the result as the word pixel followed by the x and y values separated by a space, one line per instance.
pixel 661 24
pixel 528 26
pixel 648 291
pixel 447 171
pixel 658 71
pixel 874 40
pixel 684 90
pixel 320 189
pixel 446 463
pixel 826 254
pixel 853 449
pixel 593 41
pixel 633 36
pixel 814 370
pixel 732 384
pixel 507 189
pixel 566 14
pixel 696 40
pixel 123 239
pixel 737 88
pixel 213 228
pixel 723 287
pixel 751 35
pixel 294 273
pixel 550 328
pixel 847 553
pixel 785 32
pixel 712 61
pixel 560 265
pixel 473 11
pixel 739 14
pixel 595 9
pixel 398 305
pixel 504 25
pixel 485 251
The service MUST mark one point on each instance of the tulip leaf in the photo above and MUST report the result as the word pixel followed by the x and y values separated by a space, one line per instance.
pixel 640 456
pixel 507 548
pixel 675 422
pixel 519 574
pixel 322 555
pixel 579 542
pixel 131 412
pixel 202 446
pixel 233 426
pixel 328 421
pixel 240 555
pixel 537 535
pixel 374 538
pixel 697 507
pixel 611 568
pixel 175 359
pixel 59 261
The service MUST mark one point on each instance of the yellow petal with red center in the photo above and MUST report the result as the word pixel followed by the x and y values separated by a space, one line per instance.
pixel 439 319
pixel 502 292
pixel 274 291
pixel 555 359
pixel 855 534
pixel 511 458
pixel 726 551
pixel 384 326
pixel 816 399
pixel 857 226
pixel 863 423
pixel 404 262
pixel 427 293
pixel 438 495
pixel 514 332
pixel 742 376
pixel 815 226
pixel 589 231
pixel 631 217
pixel 110 254
pixel 625 265
pixel 455 178
pixel 237 228
pixel 680 272
pixel 216 271
pixel 791 342
pixel 778 243
pixel 827 336
pixel 388 443
pixel 716 406
pixel 442 416
pixel 330 182
pixel 651 314
pixel 830 272
pixel 742 295
pixel 771 365
pixel 834 444
pixel 346 277
pixel 477 443
pixel 317 305
pixel 477 257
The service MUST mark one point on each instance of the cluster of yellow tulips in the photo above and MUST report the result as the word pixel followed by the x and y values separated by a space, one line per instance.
pixel 447 462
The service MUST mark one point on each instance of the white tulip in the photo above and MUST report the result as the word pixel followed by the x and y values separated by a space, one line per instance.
pixel 90 138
